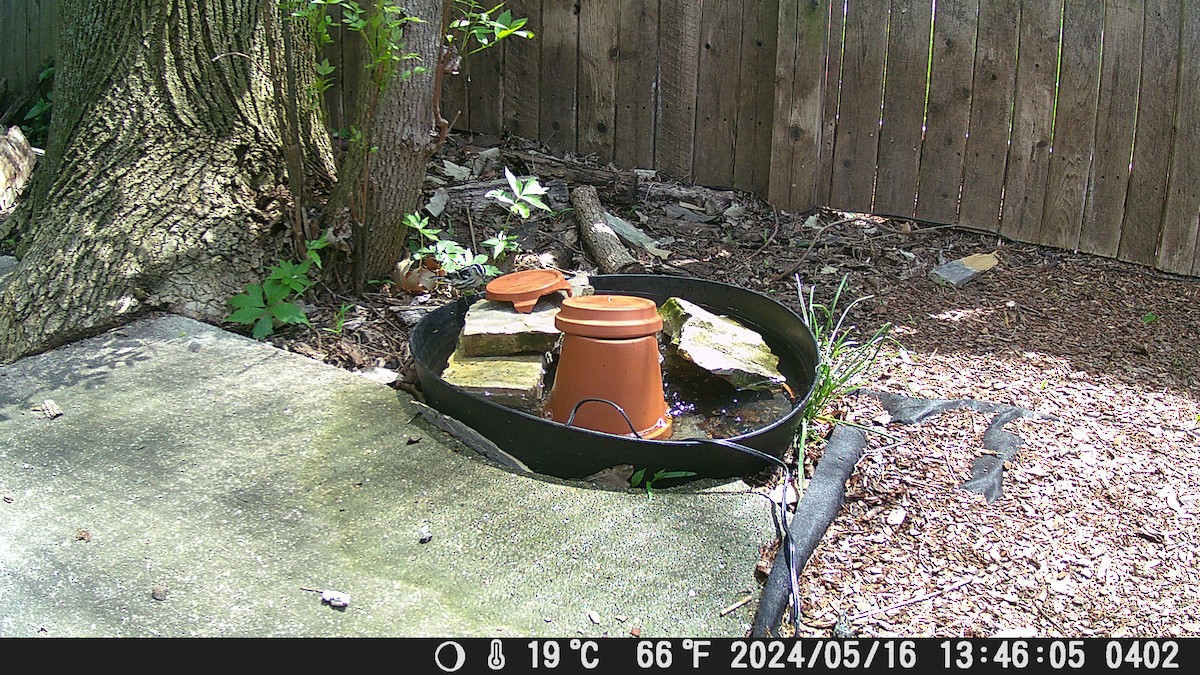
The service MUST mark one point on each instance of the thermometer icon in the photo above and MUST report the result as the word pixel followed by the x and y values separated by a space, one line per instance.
pixel 496 656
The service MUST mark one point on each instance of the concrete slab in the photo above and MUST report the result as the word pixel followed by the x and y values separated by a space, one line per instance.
pixel 197 481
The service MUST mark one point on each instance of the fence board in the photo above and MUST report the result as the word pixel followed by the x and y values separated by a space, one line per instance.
pixel 676 115
pixel 903 107
pixel 857 141
pixel 484 95
pixel 756 96
pixel 598 26
pixel 637 91
pixel 835 46
pixel 948 111
pixel 30 34
pixel 523 73
pixel 1179 251
pixel 991 114
pixel 1029 153
pixel 717 104
pixel 1074 129
pixel 559 54
pixel 1120 69
pixel 1148 179
pixel 796 173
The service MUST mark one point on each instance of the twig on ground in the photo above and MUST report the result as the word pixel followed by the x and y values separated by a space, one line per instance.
pixel 737 604
pixel 800 263
pixel 880 610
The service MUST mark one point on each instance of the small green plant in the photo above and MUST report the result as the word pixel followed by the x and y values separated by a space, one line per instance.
pixel 268 305
pixel 339 320
pixel 661 475
pixel 844 359
pixel 36 123
pixel 480 27
pixel 1149 317
pixel 450 255
pixel 525 193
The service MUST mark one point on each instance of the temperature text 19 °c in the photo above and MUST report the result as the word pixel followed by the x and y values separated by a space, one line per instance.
pixel 548 653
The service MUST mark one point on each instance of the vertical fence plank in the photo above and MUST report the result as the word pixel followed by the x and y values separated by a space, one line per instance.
pixel 1179 248
pixel 679 24
pixel 1074 125
pixel 991 111
pixel 1033 109
pixel 484 97
pixel 1144 205
pixel 559 54
pixel 637 79
pixel 522 72
pixel 1108 185
pixel 948 111
pixel 598 26
pixel 13 48
pixel 756 96
pixel 857 144
pixel 716 95
pixel 903 107
pixel 800 87
pixel 832 83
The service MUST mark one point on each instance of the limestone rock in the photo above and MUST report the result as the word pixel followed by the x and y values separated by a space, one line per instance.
pixel 496 329
pixel 514 381
pixel 720 345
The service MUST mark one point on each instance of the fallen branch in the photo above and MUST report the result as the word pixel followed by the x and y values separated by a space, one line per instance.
pixel 599 239
pixel 898 605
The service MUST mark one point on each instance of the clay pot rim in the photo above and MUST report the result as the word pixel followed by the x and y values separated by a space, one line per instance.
pixel 523 289
pixel 609 316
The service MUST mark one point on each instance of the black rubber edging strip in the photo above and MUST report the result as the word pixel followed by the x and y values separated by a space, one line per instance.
pixel 823 498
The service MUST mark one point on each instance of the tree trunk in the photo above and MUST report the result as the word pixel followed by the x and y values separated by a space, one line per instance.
pixel 163 186
pixel 383 177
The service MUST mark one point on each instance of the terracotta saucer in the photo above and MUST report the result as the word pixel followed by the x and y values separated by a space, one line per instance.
pixel 523 289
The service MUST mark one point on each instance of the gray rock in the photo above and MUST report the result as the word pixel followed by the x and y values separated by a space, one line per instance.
pixel 496 329
pixel 720 345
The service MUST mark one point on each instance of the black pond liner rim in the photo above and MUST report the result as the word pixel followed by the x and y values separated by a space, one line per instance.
pixel 555 449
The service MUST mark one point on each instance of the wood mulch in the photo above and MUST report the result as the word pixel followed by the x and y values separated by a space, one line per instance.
pixel 1096 533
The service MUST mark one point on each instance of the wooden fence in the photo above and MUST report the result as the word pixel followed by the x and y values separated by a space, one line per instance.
pixel 27 39
pixel 1070 123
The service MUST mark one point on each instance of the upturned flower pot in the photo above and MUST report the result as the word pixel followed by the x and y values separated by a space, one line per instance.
pixel 609 375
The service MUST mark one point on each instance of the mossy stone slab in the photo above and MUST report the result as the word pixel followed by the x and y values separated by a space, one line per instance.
pixel 721 345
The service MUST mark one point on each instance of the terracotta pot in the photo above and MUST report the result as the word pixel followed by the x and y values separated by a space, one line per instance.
pixel 523 289
pixel 610 360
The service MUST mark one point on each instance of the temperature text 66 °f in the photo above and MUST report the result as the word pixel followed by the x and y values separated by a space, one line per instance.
pixel 827 654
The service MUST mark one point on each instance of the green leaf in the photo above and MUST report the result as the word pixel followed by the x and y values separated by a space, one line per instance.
pixel 274 292
pixel 253 297
pixel 289 312
pixel 246 315
pixel 636 478
pixel 263 328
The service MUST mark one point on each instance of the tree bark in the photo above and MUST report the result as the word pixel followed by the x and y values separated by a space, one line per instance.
pixel 163 184
pixel 382 179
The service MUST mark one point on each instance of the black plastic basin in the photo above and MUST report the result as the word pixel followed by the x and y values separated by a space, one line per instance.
pixel 555 449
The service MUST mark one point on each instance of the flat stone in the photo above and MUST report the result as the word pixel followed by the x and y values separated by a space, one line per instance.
pixel 496 329
pixel 720 345
pixel 959 272
pixel 513 381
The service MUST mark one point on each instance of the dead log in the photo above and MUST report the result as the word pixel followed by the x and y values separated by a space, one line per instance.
pixel 616 186
pixel 17 160
pixel 599 240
